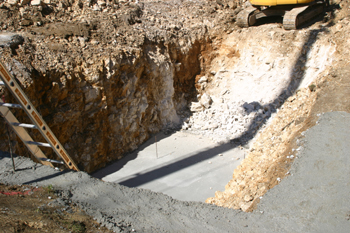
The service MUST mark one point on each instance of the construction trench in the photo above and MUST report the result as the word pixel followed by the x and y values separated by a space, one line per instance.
pixel 173 98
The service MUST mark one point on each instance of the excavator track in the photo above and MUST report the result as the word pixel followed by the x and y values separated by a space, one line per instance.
pixel 293 16
pixel 246 17
pixel 300 15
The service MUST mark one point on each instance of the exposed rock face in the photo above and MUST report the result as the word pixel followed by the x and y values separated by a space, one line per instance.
pixel 106 74
pixel 255 70
pixel 102 115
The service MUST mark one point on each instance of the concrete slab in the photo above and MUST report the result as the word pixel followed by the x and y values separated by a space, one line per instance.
pixel 185 166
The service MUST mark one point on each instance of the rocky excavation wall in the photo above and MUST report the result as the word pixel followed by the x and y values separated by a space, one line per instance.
pixel 101 111
pixel 105 75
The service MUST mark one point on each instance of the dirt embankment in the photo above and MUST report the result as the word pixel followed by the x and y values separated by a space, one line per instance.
pixel 107 74
pixel 276 146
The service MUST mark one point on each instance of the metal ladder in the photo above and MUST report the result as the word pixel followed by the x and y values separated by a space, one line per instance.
pixel 38 123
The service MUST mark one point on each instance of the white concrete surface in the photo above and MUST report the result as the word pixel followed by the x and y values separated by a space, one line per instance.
pixel 188 167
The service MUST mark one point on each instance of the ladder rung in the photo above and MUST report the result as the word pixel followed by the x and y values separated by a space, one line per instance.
pixel 2 83
pixel 51 160
pixel 11 105
pixel 30 126
pixel 38 143
pixel 24 103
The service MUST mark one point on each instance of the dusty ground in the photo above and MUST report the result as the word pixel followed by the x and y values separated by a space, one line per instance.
pixel 35 209
pixel 312 198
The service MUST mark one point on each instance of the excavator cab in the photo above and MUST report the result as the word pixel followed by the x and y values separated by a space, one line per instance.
pixel 294 12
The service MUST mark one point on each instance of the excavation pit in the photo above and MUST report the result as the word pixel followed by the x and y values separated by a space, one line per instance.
pixel 108 76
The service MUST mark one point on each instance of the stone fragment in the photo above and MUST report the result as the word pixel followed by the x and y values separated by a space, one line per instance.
pixel 338 27
pixel 94 42
pixel 12 2
pixel 203 79
pixel 196 107
pixel 60 5
pixel 22 11
pixel 26 22
pixel 213 126
pixel 35 2
pixel 246 206
pixel 82 41
pixel 206 100
pixel 96 8
pixel 248 198
pixel 185 126
pixel 101 3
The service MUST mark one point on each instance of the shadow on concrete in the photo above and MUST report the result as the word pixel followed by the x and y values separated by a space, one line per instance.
pixel 119 164
pixel 174 166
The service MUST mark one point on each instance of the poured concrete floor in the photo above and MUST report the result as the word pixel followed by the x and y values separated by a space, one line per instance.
pixel 185 166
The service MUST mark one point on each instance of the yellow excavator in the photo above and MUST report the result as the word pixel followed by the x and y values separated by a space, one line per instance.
pixel 294 12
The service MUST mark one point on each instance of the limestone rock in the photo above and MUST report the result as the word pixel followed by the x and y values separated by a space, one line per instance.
pixel 196 107
pixel 35 2
pixel 250 205
pixel 245 206
pixel 185 126
pixel 12 2
pixel 101 3
pixel 205 100
pixel 203 79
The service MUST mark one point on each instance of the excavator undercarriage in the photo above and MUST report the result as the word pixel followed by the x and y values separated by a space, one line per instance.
pixel 293 15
